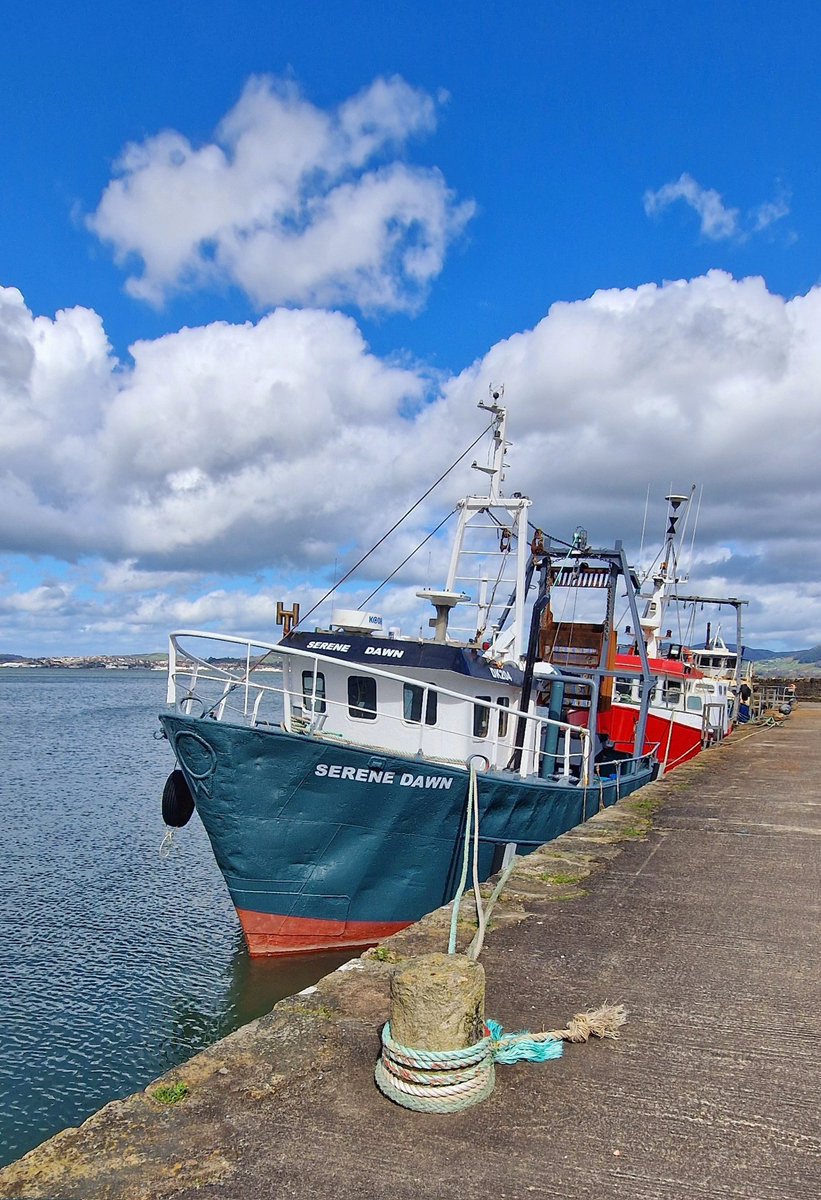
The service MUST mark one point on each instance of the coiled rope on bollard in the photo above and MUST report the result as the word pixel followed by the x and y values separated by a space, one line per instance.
pixel 436 1081
pixel 445 1081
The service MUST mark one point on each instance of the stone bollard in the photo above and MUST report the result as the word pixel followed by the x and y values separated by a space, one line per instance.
pixel 438 1002
pixel 437 1056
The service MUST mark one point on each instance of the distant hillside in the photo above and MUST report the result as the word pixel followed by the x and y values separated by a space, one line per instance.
pixel 786 664
pixel 768 664
pixel 154 659
pixel 794 664
pixel 751 654
pixel 812 655
pixel 787 668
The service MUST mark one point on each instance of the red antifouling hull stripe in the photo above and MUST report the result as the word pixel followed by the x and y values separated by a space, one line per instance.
pixel 271 933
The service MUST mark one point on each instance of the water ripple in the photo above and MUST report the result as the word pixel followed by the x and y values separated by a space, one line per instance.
pixel 114 964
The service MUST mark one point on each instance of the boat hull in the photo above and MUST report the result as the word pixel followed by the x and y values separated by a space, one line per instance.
pixel 273 933
pixel 327 845
pixel 677 735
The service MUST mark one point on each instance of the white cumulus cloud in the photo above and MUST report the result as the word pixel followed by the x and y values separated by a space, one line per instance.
pixel 222 444
pixel 289 202
pixel 233 465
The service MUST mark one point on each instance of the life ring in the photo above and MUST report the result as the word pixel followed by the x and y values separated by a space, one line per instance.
pixel 177 801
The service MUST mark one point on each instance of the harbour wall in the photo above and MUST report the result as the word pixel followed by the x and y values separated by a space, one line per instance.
pixel 695 902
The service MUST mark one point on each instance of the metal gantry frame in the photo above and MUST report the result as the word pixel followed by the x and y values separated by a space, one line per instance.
pixel 731 602
pixel 616 560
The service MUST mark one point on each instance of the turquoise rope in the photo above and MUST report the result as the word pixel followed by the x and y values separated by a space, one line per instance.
pixel 500 1046
pixel 445 1081
pixel 521 1047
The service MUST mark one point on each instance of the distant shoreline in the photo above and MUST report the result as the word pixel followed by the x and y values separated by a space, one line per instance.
pixel 82 665
pixel 113 663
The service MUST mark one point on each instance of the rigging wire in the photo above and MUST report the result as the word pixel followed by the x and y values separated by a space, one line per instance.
pixel 388 578
pixel 695 529
pixel 683 534
pixel 690 631
pixel 644 524
pixel 536 529
pixel 347 575
pixel 558 623
pixel 491 602
pixel 558 541
pixel 393 527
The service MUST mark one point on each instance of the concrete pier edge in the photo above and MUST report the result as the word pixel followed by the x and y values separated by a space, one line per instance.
pixel 313 1045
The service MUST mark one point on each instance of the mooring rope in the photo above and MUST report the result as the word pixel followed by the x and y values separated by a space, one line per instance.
pixel 470 841
pixel 446 1081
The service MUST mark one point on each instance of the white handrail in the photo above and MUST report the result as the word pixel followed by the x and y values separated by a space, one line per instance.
pixel 231 681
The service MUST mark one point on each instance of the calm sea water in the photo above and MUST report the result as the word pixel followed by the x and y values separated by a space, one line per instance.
pixel 114 964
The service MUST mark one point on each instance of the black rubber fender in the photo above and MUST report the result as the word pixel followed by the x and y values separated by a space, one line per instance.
pixel 177 801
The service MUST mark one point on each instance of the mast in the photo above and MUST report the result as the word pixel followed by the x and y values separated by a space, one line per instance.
pixel 665 579
pixel 647 680
pixel 495 525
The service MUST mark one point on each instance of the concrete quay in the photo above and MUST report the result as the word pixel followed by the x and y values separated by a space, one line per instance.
pixel 695 903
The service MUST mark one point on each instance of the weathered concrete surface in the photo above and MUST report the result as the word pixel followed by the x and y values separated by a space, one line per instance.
pixel 706 927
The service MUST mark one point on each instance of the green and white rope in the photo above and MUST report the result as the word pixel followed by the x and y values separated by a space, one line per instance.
pixel 470 843
pixel 441 1081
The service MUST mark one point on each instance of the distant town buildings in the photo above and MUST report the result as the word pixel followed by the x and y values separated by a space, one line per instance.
pixel 108 662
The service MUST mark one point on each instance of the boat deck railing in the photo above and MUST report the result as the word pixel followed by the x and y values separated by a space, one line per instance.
pixel 770 695
pixel 713 722
pixel 199 686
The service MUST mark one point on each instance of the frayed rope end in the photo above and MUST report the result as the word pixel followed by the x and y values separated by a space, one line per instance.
pixel 603 1022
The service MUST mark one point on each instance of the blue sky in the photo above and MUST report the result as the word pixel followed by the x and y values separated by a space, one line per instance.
pixel 518 158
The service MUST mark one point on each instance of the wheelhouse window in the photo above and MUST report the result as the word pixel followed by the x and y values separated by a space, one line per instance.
pixel 362 697
pixel 481 717
pixel 504 701
pixel 412 696
pixel 694 704
pixel 672 692
pixel 624 689
pixel 313 694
